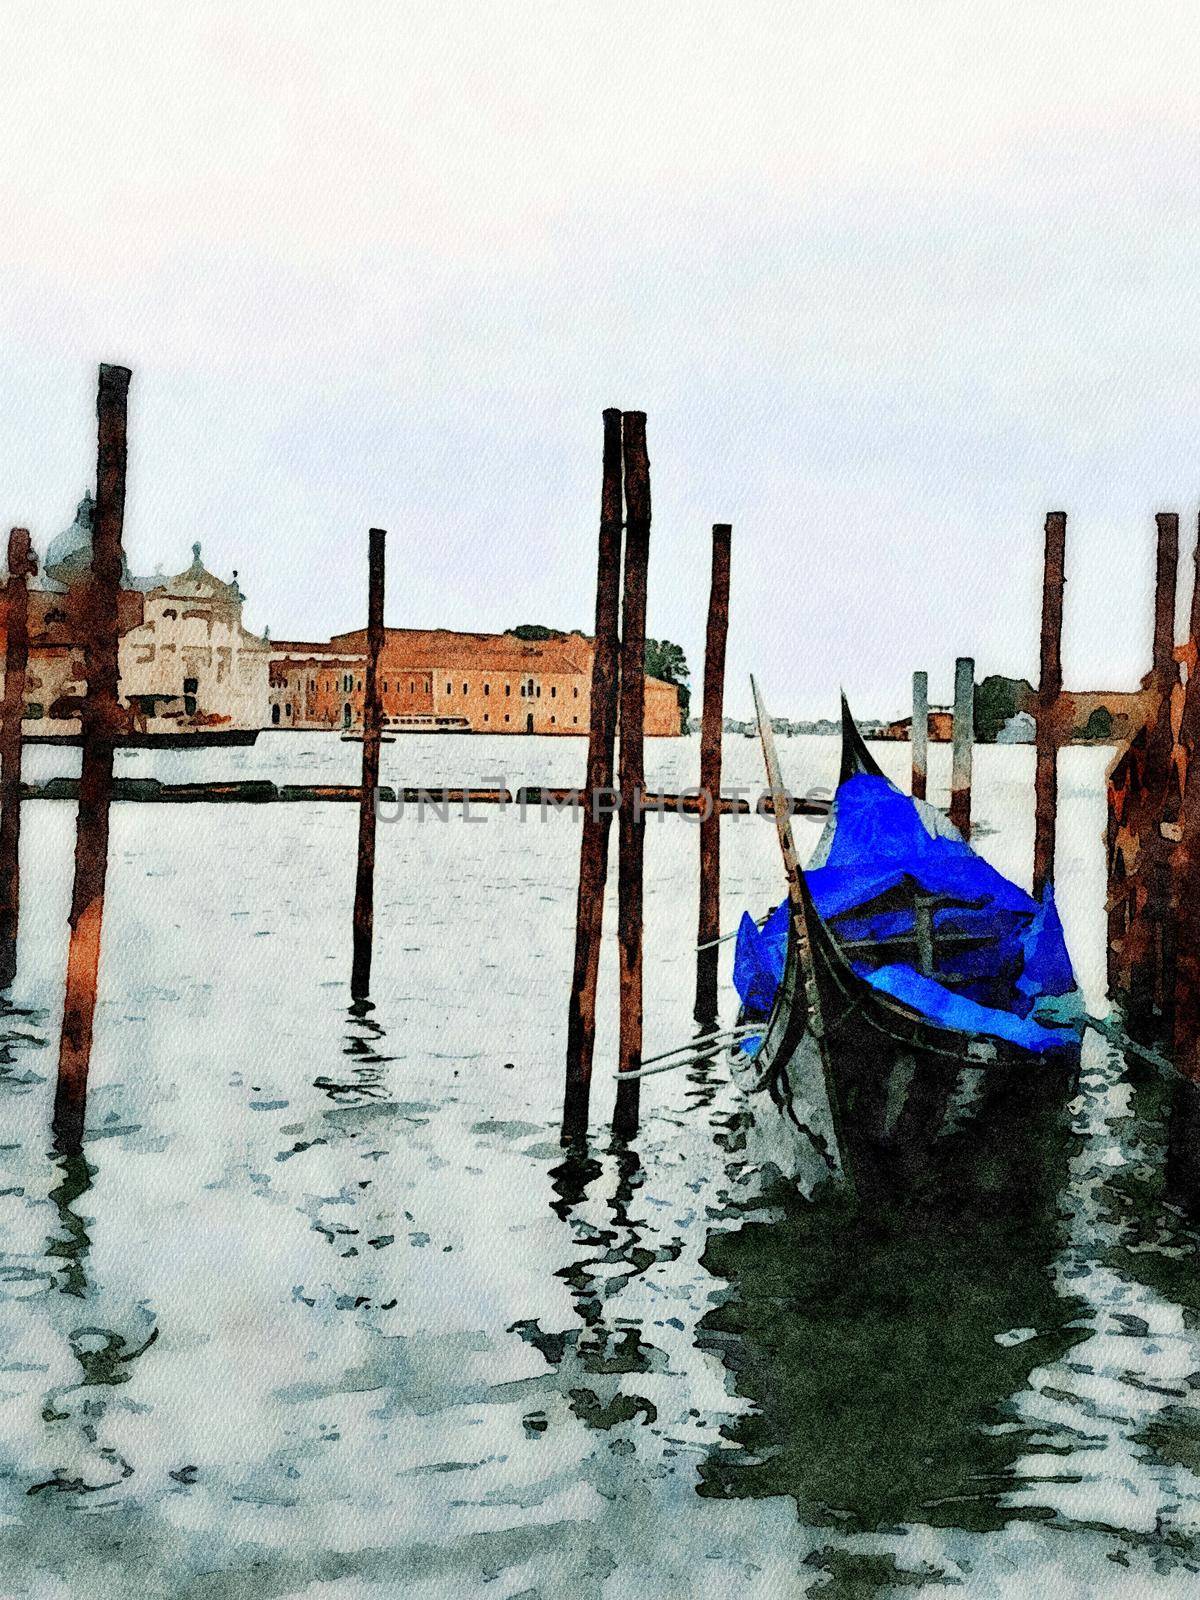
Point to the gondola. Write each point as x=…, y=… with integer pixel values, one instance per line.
x=917, y=992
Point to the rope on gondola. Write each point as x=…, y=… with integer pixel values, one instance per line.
x=724, y=938
x=1130, y=1047
x=695, y=1049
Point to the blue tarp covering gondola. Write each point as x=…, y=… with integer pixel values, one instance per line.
x=758, y=960
x=999, y=944
x=1046, y=966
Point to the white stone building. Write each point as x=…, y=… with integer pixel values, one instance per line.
x=188, y=667
x=191, y=660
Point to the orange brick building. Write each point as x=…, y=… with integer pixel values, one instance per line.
x=941, y=726
x=440, y=680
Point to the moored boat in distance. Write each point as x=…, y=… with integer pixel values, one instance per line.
x=411, y=724
x=424, y=723
x=905, y=989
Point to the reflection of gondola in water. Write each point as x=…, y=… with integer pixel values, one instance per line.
x=880, y=1350
x=923, y=989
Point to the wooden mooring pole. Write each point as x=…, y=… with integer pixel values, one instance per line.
x=1049, y=703
x=964, y=742
x=99, y=716
x=364, y=887
x=1166, y=564
x=631, y=821
x=709, y=924
x=21, y=567
x=920, y=734
x=1183, y=1136
x=1153, y=974
x=597, y=814
x=1189, y=724
x=1143, y=793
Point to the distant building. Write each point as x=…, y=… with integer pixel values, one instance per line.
x=1099, y=716
x=186, y=663
x=941, y=726
x=1095, y=715
x=441, y=680
x=1107, y=714
x=1019, y=729
x=191, y=660
x=311, y=684
x=189, y=667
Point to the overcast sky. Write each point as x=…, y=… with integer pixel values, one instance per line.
x=890, y=280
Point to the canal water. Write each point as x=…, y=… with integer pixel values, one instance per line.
x=324, y=1312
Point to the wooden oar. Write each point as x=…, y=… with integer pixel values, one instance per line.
x=791, y=866
x=799, y=909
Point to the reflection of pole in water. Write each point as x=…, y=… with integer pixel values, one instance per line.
x=570, y=1180
x=73, y=1243
x=104, y=1355
x=702, y=1071
x=366, y=1079
x=602, y=1346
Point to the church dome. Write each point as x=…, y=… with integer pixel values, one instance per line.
x=70, y=554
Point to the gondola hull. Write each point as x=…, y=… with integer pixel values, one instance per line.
x=852, y=1084
x=885, y=1100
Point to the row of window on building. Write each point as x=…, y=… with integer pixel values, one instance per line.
x=36, y=711
x=529, y=688
x=553, y=720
